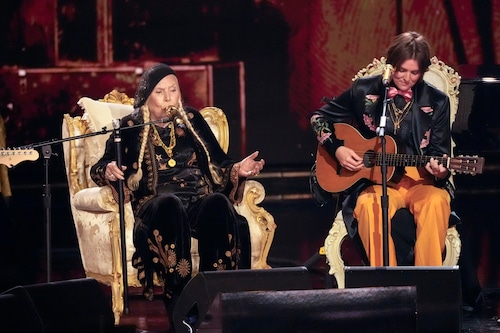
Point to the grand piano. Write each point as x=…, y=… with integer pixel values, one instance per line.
x=476, y=131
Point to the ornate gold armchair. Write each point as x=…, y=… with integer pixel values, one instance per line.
x=447, y=80
x=96, y=214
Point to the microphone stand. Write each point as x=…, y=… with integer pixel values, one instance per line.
x=121, y=200
x=47, y=204
x=47, y=153
x=46, y=148
x=384, y=198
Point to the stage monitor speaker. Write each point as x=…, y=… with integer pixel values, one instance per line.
x=18, y=315
x=384, y=309
x=77, y=306
x=199, y=293
x=439, y=291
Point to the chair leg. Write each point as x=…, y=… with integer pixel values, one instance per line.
x=453, y=247
x=333, y=243
x=117, y=300
x=195, y=256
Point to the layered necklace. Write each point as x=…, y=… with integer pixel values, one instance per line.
x=168, y=149
x=397, y=114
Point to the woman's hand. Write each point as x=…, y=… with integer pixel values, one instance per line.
x=113, y=173
x=348, y=159
x=249, y=166
x=438, y=170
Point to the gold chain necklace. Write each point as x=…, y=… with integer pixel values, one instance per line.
x=397, y=115
x=168, y=149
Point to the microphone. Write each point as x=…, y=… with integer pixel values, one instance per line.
x=179, y=123
x=386, y=76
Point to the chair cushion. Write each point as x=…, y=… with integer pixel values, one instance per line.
x=99, y=115
x=95, y=199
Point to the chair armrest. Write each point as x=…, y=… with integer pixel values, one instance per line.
x=260, y=222
x=95, y=199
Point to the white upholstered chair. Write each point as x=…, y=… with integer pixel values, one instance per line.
x=447, y=80
x=96, y=213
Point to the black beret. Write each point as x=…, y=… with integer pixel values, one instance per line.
x=149, y=80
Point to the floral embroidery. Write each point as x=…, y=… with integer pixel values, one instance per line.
x=167, y=256
x=183, y=268
x=369, y=122
x=323, y=132
x=371, y=99
x=367, y=119
x=427, y=109
x=171, y=258
x=425, y=141
x=219, y=265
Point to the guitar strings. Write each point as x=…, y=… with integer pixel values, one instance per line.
x=396, y=159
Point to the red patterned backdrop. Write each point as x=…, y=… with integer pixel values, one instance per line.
x=332, y=40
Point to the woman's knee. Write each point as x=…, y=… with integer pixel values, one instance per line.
x=162, y=205
x=168, y=199
x=216, y=201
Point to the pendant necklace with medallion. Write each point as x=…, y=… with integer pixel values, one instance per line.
x=168, y=149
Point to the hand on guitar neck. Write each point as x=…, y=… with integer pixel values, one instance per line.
x=365, y=163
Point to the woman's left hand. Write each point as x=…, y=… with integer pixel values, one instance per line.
x=438, y=170
x=249, y=166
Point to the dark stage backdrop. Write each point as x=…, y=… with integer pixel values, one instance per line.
x=294, y=53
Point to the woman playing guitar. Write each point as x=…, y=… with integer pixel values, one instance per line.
x=418, y=118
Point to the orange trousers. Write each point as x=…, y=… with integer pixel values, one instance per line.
x=429, y=205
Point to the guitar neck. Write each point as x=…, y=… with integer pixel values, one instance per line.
x=403, y=160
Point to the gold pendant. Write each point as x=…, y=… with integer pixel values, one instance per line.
x=171, y=162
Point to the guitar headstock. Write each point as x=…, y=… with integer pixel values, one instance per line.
x=11, y=157
x=470, y=165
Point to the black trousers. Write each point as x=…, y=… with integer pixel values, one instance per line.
x=162, y=238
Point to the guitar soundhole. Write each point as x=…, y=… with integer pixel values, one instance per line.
x=369, y=159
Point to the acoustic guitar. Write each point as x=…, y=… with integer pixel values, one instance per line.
x=333, y=178
x=12, y=157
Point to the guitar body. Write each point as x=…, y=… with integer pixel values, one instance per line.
x=333, y=178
